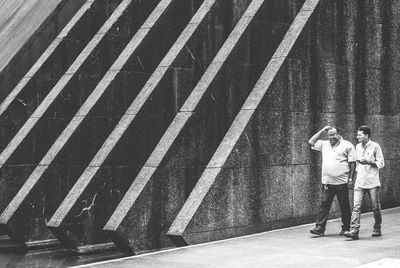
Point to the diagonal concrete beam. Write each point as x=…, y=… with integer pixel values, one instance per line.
x=57, y=220
x=16, y=202
x=215, y=165
x=55, y=91
x=46, y=54
x=188, y=108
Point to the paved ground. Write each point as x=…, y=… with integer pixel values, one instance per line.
x=292, y=247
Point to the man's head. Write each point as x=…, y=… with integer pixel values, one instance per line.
x=334, y=135
x=363, y=134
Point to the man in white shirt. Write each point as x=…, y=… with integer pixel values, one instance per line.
x=369, y=161
x=338, y=164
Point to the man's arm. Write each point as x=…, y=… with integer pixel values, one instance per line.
x=379, y=161
x=317, y=136
x=352, y=166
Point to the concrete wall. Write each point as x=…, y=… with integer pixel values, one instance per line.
x=26, y=29
x=343, y=72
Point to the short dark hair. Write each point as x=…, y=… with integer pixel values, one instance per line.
x=366, y=130
x=338, y=130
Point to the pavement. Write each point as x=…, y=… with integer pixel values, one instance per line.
x=290, y=247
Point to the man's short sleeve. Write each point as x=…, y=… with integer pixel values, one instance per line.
x=317, y=146
x=351, y=153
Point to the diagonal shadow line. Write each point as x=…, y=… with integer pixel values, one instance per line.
x=219, y=158
x=84, y=180
x=181, y=118
x=45, y=55
x=35, y=176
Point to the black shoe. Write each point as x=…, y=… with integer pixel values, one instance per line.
x=342, y=232
x=351, y=235
x=376, y=233
x=317, y=232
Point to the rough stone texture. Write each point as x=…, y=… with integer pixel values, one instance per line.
x=48, y=75
x=342, y=71
x=338, y=73
x=26, y=34
x=148, y=123
x=191, y=157
x=86, y=142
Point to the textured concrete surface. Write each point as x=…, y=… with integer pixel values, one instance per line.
x=18, y=21
x=292, y=247
x=160, y=17
x=26, y=31
x=241, y=190
x=145, y=177
x=46, y=54
x=25, y=191
x=342, y=70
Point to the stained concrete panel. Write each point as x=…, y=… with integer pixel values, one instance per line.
x=156, y=207
x=89, y=215
x=157, y=109
x=227, y=204
x=306, y=189
x=19, y=21
x=36, y=144
x=67, y=13
x=290, y=88
x=10, y=182
x=393, y=12
x=281, y=11
x=375, y=50
x=374, y=12
x=214, y=100
x=203, y=45
x=119, y=94
x=391, y=99
x=335, y=26
x=276, y=192
x=245, y=201
x=385, y=131
x=55, y=66
x=86, y=141
x=167, y=29
x=276, y=137
x=389, y=183
x=30, y=217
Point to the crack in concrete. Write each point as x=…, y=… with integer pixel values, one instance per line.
x=88, y=208
x=21, y=101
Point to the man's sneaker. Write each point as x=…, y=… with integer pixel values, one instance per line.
x=351, y=235
x=317, y=232
x=376, y=233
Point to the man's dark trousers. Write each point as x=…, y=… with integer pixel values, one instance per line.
x=328, y=193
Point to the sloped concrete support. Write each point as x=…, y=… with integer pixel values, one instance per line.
x=179, y=55
x=174, y=14
x=34, y=87
x=44, y=56
x=173, y=159
x=55, y=91
x=201, y=219
x=28, y=28
x=25, y=193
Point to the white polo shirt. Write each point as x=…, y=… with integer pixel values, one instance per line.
x=335, y=160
